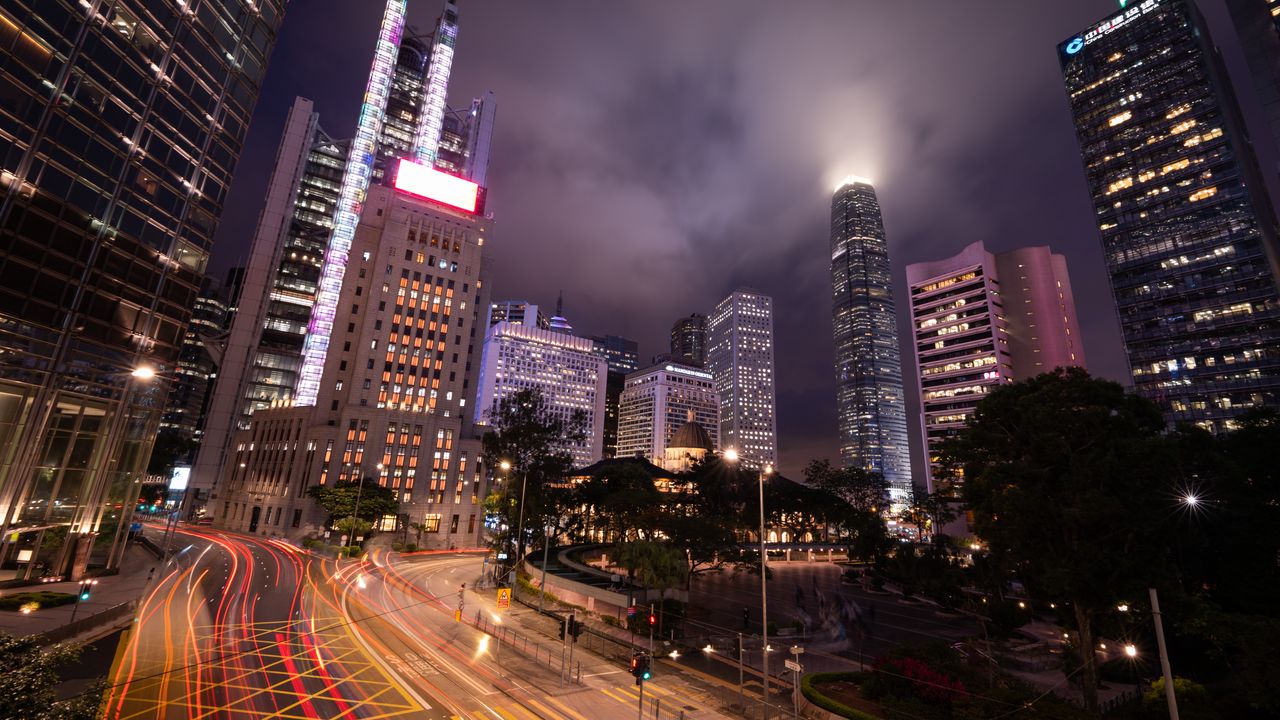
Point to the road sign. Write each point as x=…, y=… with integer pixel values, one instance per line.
x=504, y=598
x=793, y=665
x=797, y=650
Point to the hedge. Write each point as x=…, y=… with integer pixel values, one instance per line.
x=815, y=696
x=45, y=598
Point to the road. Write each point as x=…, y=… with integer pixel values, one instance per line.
x=243, y=627
x=415, y=630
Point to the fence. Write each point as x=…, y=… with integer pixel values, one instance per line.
x=95, y=620
x=523, y=644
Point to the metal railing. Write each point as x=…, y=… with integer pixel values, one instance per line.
x=555, y=659
x=70, y=630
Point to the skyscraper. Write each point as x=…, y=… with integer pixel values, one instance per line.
x=689, y=340
x=278, y=288
x=182, y=425
x=119, y=132
x=266, y=340
x=393, y=403
x=870, y=406
x=981, y=320
x=518, y=312
x=657, y=402
x=1258, y=24
x=565, y=368
x=622, y=356
x=1188, y=232
x=740, y=357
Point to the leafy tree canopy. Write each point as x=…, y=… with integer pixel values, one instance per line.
x=339, y=500
x=1072, y=480
x=28, y=675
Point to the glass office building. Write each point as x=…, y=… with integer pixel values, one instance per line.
x=120, y=127
x=870, y=407
x=1188, y=232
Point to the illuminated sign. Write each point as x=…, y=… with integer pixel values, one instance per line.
x=179, y=477
x=1111, y=24
x=427, y=182
x=687, y=371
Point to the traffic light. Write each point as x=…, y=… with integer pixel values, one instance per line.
x=86, y=588
x=653, y=619
x=564, y=626
x=641, y=667
x=575, y=627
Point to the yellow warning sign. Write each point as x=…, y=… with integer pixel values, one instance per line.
x=504, y=598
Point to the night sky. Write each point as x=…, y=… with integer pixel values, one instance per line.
x=649, y=157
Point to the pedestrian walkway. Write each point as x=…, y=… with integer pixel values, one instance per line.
x=110, y=591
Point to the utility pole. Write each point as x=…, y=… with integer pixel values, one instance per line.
x=1164, y=657
x=742, y=693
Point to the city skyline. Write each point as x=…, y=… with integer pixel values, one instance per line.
x=774, y=239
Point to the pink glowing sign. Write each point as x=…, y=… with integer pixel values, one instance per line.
x=427, y=182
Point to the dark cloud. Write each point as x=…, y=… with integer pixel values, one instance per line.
x=651, y=156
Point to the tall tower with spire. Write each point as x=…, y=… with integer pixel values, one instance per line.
x=870, y=406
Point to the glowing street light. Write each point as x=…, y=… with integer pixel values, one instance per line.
x=143, y=372
x=731, y=455
x=1190, y=499
x=1131, y=650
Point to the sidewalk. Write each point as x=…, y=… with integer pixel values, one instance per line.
x=110, y=591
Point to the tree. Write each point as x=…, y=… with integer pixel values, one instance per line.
x=532, y=437
x=653, y=564
x=865, y=492
x=28, y=675
x=1070, y=479
x=853, y=500
x=339, y=500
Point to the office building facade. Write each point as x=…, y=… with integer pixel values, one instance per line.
x=656, y=402
x=689, y=340
x=286, y=267
x=518, y=312
x=1188, y=232
x=980, y=320
x=182, y=425
x=393, y=405
x=120, y=128
x=740, y=358
x=564, y=368
x=870, y=405
x=1258, y=24
x=622, y=356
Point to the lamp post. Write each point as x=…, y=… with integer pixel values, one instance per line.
x=764, y=597
x=524, y=479
x=731, y=455
x=355, y=514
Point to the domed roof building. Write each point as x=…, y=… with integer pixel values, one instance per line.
x=689, y=445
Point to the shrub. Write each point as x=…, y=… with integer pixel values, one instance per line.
x=906, y=677
x=814, y=694
x=45, y=598
x=397, y=546
x=411, y=547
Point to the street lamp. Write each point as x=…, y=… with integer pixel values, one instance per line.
x=519, y=539
x=731, y=455
x=764, y=598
